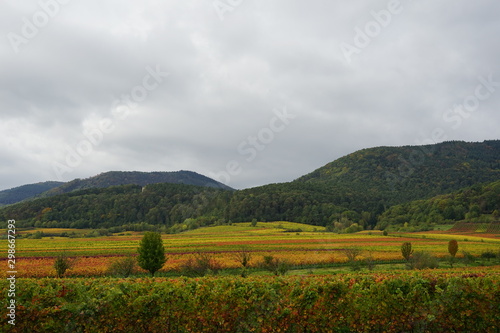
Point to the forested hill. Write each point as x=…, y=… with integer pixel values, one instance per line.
x=24, y=192
x=478, y=203
x=401, y=174
x=348, y=194
x=115, y=178
x=107, y=179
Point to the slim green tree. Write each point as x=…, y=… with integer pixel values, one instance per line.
x=406, y=250
x=151, y=252
x=62, y=264
x=452, y=249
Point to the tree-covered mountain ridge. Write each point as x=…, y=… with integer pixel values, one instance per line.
x=104, y=180
x=18, y=194
x=348, y=194
x=402, y=174
x=478, y=203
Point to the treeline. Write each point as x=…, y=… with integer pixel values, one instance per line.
x=347, y=195
x=477, y=203
x=158, y=204
x=177, y=207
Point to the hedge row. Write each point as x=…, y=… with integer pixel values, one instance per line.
x=351, y=303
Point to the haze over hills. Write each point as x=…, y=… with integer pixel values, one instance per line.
x=351, y=192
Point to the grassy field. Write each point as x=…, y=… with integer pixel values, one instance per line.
x=306, y=248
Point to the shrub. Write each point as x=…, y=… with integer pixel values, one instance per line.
x=468, y=258
x=488, y=255
x=201, y=264
x=370, y=263
x=123, y=267
x=243, y=257
x=62, y=264
x=352, y=253
x=275, y=265
x=422, y=260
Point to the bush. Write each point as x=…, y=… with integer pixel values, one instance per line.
x=243, y=257
x=201, y=264
x=62, y=264
x=123, y=267
x=275, y=265
x=488, y=255
x=36, y=235
x=422, y=260
x=468, y=258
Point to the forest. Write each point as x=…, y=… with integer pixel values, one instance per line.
x=452, y=181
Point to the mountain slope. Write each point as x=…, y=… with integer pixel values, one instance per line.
x=115, y=178
x=24, y=192
x=480, y=202
x=400, y=174
x=349, y=193
x=161, y=204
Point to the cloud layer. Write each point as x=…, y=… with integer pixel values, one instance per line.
x=249, y=92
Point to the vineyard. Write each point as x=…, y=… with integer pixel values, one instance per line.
x=321, y=290
x=310, y=247
x=470, y=227
x=455, y=301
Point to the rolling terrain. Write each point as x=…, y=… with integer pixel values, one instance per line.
x=362, y=190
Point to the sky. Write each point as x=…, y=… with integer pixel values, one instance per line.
x=248, y=92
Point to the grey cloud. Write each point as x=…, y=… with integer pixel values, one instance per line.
x=226, y=77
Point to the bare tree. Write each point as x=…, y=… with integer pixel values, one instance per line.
x=243, y=256
x=352, y=253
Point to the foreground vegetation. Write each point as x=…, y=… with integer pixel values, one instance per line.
x=409, y=302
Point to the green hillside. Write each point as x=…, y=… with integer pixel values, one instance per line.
x=24, y=192
x=479, y=203
x=349, y=194
x=156, y=204
x=401, y=174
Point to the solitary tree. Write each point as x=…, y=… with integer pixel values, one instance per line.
x=123, y=267
x=243, y=256
x=406, y=250
x=62, y=264
x=151, y=252
x=452, y=249
x=352, y=253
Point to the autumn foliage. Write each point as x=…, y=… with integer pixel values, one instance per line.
x=349, y=303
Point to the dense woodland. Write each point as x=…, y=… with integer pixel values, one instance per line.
x=371, y=188
x=24, y=192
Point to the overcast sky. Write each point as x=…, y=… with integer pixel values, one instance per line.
x=248, y=92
